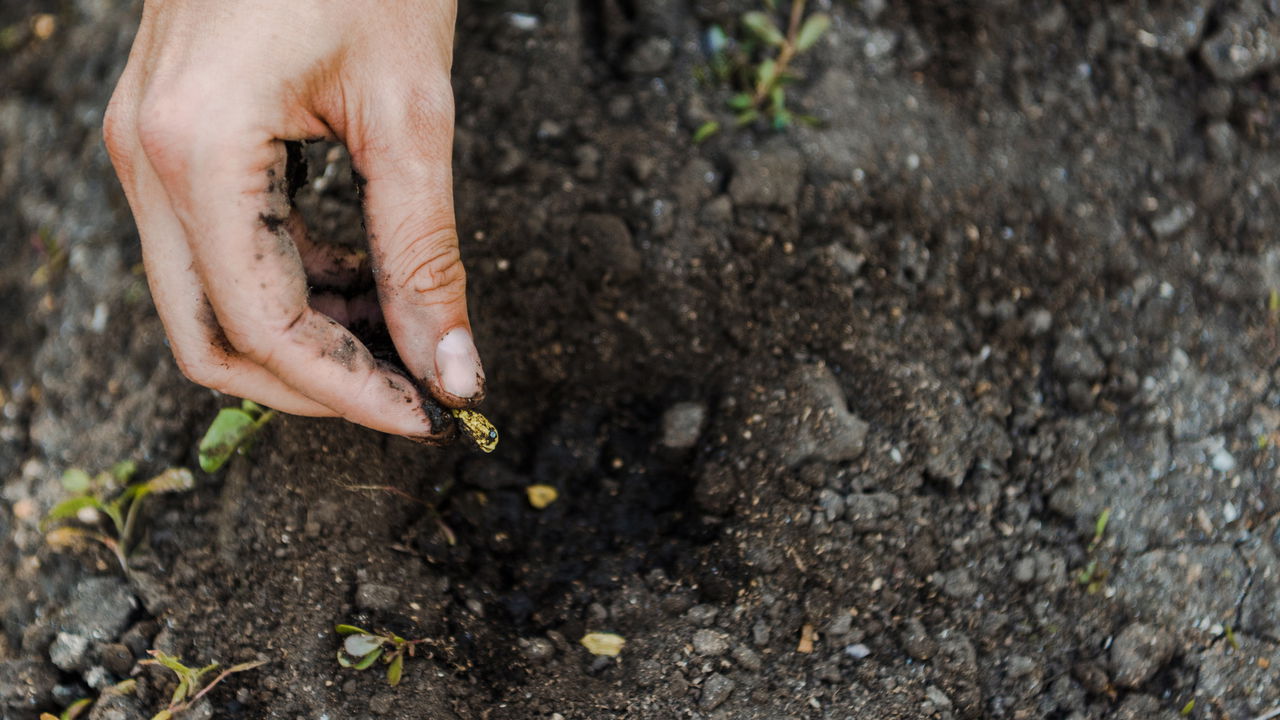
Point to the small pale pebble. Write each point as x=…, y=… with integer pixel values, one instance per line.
x=1223, y=461
x=858, y=651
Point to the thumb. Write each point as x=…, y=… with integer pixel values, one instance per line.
x=408, y=204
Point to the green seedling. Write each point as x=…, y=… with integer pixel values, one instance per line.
x=361, y=649
x=190, y=689
x=232, y=430
x=1186, y=709
x=77, y=708
x=758, y=64
x=1091, y=577
x=111, y=494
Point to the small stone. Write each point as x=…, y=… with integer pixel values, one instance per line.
x=939, y=699
x=537, y=649
x=641, y=167
x=117, y=658
x=841, y=624
x=821, y=425
x=26, y=684
x=870, y=512
x=747, y=658
x=703, y=615
x=111, y=706
x=717, y=212
x=99, y=608
x=68, y=651
x=715, y=690
x=958, y=583
x=831, y=503
x=857, y=651
x=1173, y=221
x=374, y=596
x=1024, y=571
x=1020, y=666
x=1244, y=43
x=1138, y=652
x=1223, y=461
x=382, y=703
x=682, y=425
x=650, y=57
x=710, y=642
x=1222, y=142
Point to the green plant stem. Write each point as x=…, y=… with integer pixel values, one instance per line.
x=785, y=55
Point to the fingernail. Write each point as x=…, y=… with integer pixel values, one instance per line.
x=458, y=364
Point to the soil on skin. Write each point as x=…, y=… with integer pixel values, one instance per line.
x=832, y=413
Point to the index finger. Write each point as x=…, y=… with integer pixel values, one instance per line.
x=235, y=221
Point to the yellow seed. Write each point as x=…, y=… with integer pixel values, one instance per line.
x=478, y=428
x=598, y=643
x=541, y=496
x=43, y=25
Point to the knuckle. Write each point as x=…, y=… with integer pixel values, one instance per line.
x=201, y=369
x=430, y=267
x=117, y=133
x=165, y=125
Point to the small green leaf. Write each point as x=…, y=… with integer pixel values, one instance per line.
x=123, y=471
x=763, y=27
x=162, y=715
x=811, y=31
x=76, y=480
x=349, y=630
x=1100, y=526
x=747, y=117
x=781, y=119
x=705, y=130
x=343, y=659
x=251, y=407
x=767, y=73
x=741, y=101
x=180, y=693
x=77, y=707
x=393, y=672
x=71, y=507
x=778, y=98
x=361, y=645
x=1186, y=709
x=231, y=428
x=368, y=660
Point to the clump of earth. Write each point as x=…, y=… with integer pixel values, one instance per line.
x=833, y=415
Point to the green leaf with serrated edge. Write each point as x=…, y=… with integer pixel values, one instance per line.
x=394, y=670
x=230, y=428
x=70, y=508
x=344, y=660
x=763, y=27
x=76, y=480
x=811, y=31
x=123, y=471
x=350, y=629
x=368, y=660
x=741, y=101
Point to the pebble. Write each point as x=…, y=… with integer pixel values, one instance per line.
x=857, y=651
x=958, y=583
x=373, y=596
x=537, y=649
x=1174, y=221
x=99, y=608
x=116, y=707
x=1076, y=359
x=916, y=641
x=715, y=690
x=1020, y=666
x=747, y=658
x=1245, y=42
x=868, y=512
x=682, y=425
x=117, y=658
x=1223, y=461
x=703, y=615
x=1222, y=141
x=1138, y=652
x=832, y=504
x=710, y=642
x=68, y=651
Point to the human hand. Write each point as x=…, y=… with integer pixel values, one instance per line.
x=195, y=130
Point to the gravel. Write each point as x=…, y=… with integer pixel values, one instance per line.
x=373, y=596
x=710, y=642
x=682, y=425
x=1138, y=652
x=99, y=609
x=715, y=690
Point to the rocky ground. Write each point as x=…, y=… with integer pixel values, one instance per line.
x=832, y=413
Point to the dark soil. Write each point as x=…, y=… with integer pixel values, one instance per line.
x=832, y=413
